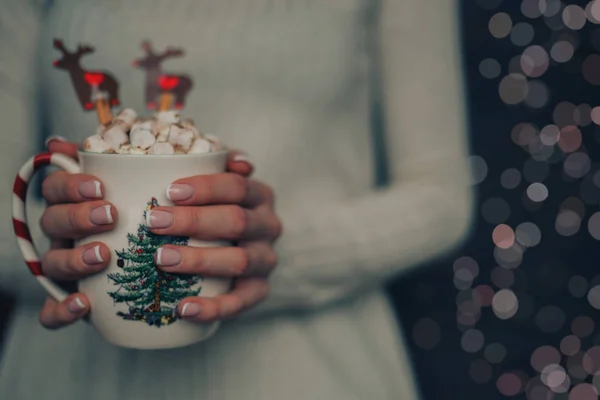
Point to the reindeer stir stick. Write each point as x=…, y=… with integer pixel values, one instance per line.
x=95, y=89
x=169, y=90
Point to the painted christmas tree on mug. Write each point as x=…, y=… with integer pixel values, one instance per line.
x=151, y=294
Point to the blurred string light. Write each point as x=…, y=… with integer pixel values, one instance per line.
x=545, y=35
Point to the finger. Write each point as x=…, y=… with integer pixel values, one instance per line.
x=62, y=187
x=74, y=221
x=56, y=315
x=247, y=293
x=58, y=144
x=77, y=263
x=239, y=163
x=248, y=259
x=225, y=222
x=61, y=244
x=226, y=188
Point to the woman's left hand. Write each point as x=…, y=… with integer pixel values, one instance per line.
x=227, y=207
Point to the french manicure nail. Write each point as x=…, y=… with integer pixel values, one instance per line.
x=92, y=256
x=190, y=309
x=242, y=158
x=179, y=192
x=55, y=137
x=158, y=219
x=75, y=306
x=167, y=257
x=101, y=216
x=90, y=189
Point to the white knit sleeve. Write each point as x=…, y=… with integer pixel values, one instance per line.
x=343, y=249
x=20, y=22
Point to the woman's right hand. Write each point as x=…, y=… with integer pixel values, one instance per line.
x=76, y=209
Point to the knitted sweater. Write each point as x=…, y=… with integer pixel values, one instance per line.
x=291, y=83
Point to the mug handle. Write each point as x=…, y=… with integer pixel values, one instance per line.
x=19, y=214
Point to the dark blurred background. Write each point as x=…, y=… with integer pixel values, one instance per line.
x=512, y=313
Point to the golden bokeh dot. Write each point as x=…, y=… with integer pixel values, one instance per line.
x=574, y=17
x=510, y=178
x=490, y=68
x=570, y=139
x=582, y=326
x=594, y=227
x=583, y=391
x=509, y=384
x=500, y=25
x=537, y=192
x=503, y=236
x=591, y=69
x=531, y=8
x=522, y=34
x=570, y=345
x=591, y=361
x=555, y=377
x=562, y=51
x=544, y=356
x=505, y=304
x=534, y=61
x=513, y=89
x=592, y=11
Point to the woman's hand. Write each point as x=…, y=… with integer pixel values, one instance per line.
x=227, y=207
x=76, y=209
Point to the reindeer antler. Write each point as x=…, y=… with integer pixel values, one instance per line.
x=81, y=50
x=58, y=44
x=172, y=52
x=147, y=47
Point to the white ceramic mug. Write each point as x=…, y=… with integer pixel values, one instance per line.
x=133, y=303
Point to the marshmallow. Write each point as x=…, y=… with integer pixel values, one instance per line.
x=189, y=123
x=142, y=138
x=124, y=149
x=116, y=134
x=137, y=151
x=142, y=124
x=162, y=148
x=163, y=134
x=181, y=137
x=95, y=144
x=166, y=118
x=127, y=116
x=214, y=141
x=200, y=146
x=101, y=129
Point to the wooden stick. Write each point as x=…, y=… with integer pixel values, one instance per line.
x=103, y=111
x=165, y=101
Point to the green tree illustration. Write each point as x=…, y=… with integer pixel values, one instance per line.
x=151, y=294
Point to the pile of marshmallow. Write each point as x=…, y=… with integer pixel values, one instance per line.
x=165, y=133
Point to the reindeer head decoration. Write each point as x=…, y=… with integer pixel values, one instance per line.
x=70, y=60
x=94, y=89
x=161, y=87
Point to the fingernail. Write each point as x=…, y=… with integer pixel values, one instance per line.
x=158, y=219
x=167, y=257
x=242, y=158
x=75, y=306
x=92, y=256
x=190, y=309
x=90, y=189
x=55, y=137
x=101, y=216
x=179, y=192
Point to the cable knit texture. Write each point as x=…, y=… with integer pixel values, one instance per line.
x=288, y=81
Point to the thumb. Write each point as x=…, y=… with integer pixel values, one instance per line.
x=58, y=144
